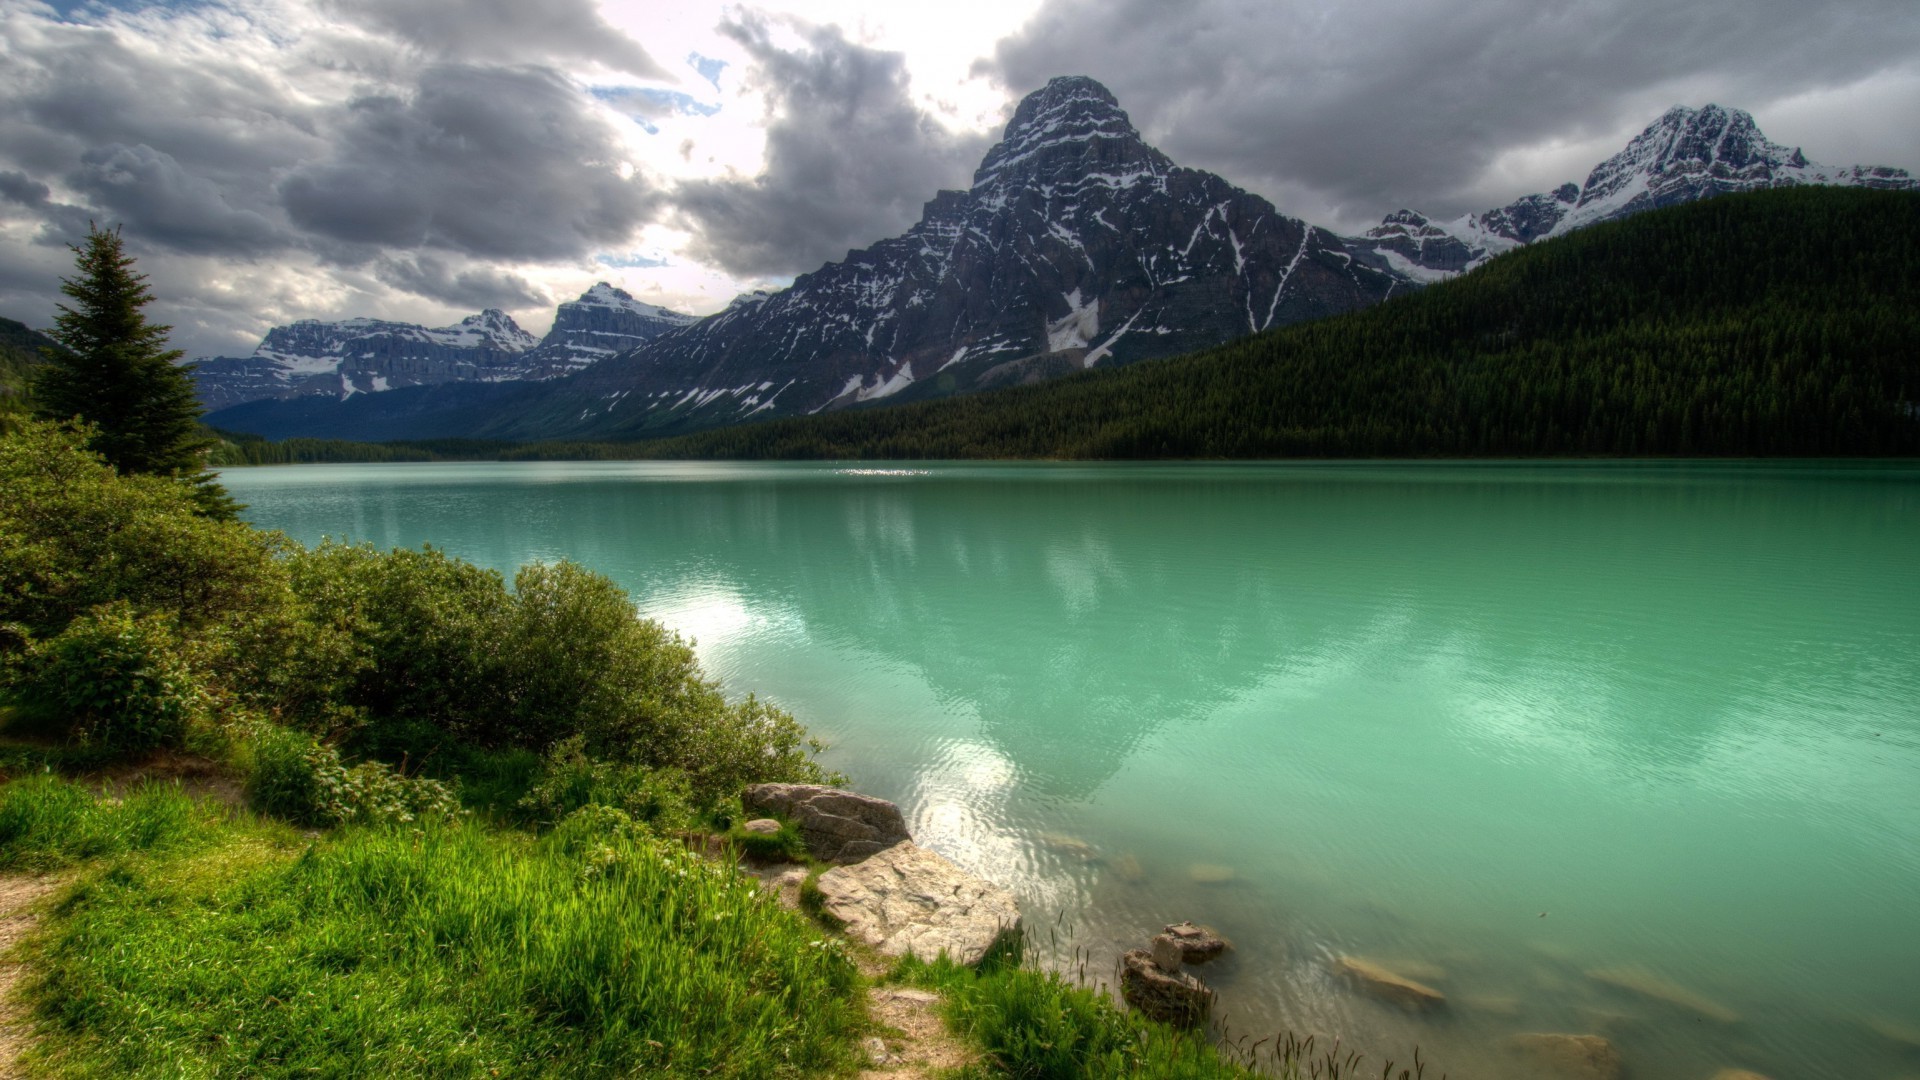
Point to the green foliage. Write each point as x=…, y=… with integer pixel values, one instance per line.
x=1774, y=323
x=443, y=951
x=46, y=823
x=1035, y=1025
x=571, y=780
x=112, y=369
x=20, y=359
x=291, y=775
x=116, y=680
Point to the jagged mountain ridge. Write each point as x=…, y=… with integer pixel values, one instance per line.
x=1077, y=244
x=1685, y=155
x=339, y=359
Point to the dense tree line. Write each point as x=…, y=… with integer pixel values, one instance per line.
x=1776, y=323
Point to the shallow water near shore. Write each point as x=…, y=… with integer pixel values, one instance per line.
x=1630, y=749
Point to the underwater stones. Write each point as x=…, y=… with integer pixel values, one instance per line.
x=1201, y=873
x=1894, y=1032
x=761, y=827
x=1571, y=1057
x=1128, y=869
x=1654, y=988
x=1070, y=846
x=838, y=826
x=1740, y=1074
x=1172, y=997
x=1388, y=986
x=1198, y=944
x=907, y=899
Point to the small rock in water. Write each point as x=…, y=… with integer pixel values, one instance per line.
x=1497, y=1004
x=1071, y=846
x=1170, y=997
x=1210, y=873
x=1894, y=1032
x=1166, y=952
x=1575, y=1057
x=765, y=826
x=1388, y=986
x=1655, y=988
x=1740, y=1074
x=1199, y=943
x=1128, y=869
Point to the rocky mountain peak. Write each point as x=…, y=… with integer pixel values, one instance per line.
x=1070, y=129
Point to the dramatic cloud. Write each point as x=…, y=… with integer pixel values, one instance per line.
x=506, y=31
x=473, y=287
x=1345, y=110
x=497, y=162
x=850, y=158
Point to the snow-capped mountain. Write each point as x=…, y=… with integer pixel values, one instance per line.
x=603, y=322
x=1685, y=155
x=352, y=356
x=1077, y=245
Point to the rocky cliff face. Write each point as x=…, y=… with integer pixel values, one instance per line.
x=1077, y=245
x=1687, y=154
x=355, y=356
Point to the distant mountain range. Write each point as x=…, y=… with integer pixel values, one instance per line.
x=336, y=360
x=1077, y=245
x=1687, y=154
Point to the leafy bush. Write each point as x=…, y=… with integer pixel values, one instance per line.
x=570, y=780
x=115, y=680
x=47, y=823
x=295, y=777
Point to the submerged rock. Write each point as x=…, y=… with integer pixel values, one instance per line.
x=1128, y=869
x=1654, y=988
x=1199, y=944
x=1574, y=1057
x=1740, y=1074
x=1210, y=873
x=1071, y=846
x=907, y=899
x=838, y=826
x=1388, y=986
x=1172, y=997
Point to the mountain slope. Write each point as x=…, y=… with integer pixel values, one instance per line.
x=20, y=347
x=1077, y=245
x=1686, y=155
x=1773, y=323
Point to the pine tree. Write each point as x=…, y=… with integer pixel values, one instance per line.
x=112, y=369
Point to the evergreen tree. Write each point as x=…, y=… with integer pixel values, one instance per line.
x=112, y=369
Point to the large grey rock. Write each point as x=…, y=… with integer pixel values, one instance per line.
x=1173, y=997
x=838, y=826
x=907, y=899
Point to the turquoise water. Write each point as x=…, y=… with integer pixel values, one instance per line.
x=1404, y=710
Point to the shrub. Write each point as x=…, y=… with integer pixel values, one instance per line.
x=295, y=777
x=570, y=780
x=115, y=680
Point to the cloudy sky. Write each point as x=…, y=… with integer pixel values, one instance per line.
x=422, y=159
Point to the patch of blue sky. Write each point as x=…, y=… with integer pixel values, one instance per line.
x=707, y=66
x=645, y=104
x=630, y=260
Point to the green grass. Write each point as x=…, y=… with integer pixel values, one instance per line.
x=448, y=950
x=1036, y=1025
x=47, y=823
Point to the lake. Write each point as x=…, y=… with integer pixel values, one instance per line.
x=1630, y=749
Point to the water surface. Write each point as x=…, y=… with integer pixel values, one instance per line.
x=1502, y=726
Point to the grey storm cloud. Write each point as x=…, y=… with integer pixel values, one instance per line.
x=506, y=31
x=1361, y=107
x=472, y=287
x=153, y=196
x=488, y=161
x=850, y=158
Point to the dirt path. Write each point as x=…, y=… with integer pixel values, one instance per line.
x=913, y=1043
x=20, y=895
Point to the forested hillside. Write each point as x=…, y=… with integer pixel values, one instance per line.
x=1782, y=322
x=19, y=354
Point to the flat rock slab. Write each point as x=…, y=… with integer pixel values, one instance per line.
x=1576, y=1057
x=907, y=899
x=1387, y=985
x=838, y=826
x=1198, y=944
